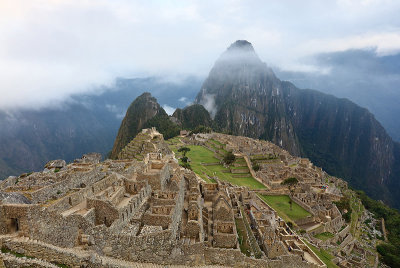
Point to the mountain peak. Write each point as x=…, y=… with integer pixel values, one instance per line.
x=240, y=52
x=241, y=45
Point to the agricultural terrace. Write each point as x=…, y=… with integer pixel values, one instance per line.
x=323, y=254
x=324, y=236
x=199, y=155
x=281, y=205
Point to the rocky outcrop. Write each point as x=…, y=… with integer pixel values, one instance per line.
x=139, y=112
x=192, y=116
x=244, y=97
x=13, y=198
x=145, y=112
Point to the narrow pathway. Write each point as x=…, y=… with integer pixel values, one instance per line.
x=252, y=172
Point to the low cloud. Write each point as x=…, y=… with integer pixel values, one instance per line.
x=119, y=113
x=168, y=109
x=208, y=101
x=50, y=50
x=185, y=101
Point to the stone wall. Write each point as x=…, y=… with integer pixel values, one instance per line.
x=153, y=247
x=308, y=219
x=157, y=179
x=105, y=212
x=223, y=240
x=51, y=227
x=71, y=181
x=15, y=216
x=177, y=213
x=48, y=252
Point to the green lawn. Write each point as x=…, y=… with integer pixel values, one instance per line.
x=199, y=154
x=281, y=204
x=324, y=236
x=217, y=142
x=324, y=255
x=240, y=167
x=240, y=160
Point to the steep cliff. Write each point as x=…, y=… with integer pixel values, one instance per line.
x=139, y=112
x=246, y=98
x=192, y=116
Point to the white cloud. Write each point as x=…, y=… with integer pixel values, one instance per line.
x=385, y=43
x=183, y=99
x=168, y=109
x=50, y=49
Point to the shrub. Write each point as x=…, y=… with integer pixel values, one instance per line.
x=256, y=167
x=186, y=165
x=184, y=150
x=229, y=158
x=200, y=129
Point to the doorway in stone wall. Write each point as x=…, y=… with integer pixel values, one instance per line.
x=14, y=225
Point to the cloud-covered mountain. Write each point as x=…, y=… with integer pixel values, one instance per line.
x=246, y=98
x=363, y=76
x=87, y=123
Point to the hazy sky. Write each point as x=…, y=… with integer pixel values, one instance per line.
x=50, y=49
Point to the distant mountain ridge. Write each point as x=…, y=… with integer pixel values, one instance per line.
x=29, y=138
x=246, y=98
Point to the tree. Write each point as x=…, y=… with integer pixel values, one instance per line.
x=200, y=129
x=184, y=150
x=291, y=183
x=256, y=166
x=229, y=158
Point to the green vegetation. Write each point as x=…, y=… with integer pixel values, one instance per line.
x=201, y=129
x=344, y=207
x=290, y=183
x=242, y=237
x=256, y=167
x=220, y=145
x=281, y=204
x=198, y=155
x=229, y=158
x=389, y=252
x=323, y=254
x=193, y=116
x=260, y=157
x=251, y=238
x=60, y=265
x=165, y=126
x=16, y=254
x=184, y=150
x=324, y=236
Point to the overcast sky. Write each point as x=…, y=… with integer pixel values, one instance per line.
x=50, y=49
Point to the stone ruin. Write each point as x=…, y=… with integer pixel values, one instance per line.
x=142, y=210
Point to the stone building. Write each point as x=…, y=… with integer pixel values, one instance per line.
x=142, y=208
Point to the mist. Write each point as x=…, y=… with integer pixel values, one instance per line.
x=52, y=50
x=363, y=76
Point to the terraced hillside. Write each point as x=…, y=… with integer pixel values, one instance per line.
x=206, y=161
